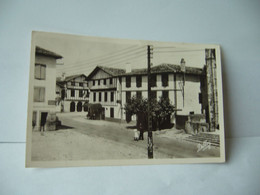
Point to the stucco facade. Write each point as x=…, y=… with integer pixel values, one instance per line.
x=183, y=89
x=44, y=90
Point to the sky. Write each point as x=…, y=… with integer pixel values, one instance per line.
x=81, y=54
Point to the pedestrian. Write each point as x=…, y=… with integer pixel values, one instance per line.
x=42, y=127
x=141, y=130
x=136, y=135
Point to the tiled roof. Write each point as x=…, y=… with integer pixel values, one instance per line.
x=112, y=71
x=166, y=68
x=45, y=52
x=68, y=78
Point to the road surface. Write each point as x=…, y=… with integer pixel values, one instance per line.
x=164, y=147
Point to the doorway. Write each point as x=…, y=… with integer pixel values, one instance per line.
x=43, y=118
x=112, y=112
x=79, y=106
x=72, y=107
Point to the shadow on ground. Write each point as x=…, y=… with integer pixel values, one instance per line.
x=63, y=127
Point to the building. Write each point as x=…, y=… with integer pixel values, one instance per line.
x=44, y=89
x=182, y=85
x=212, y=90
x=105, y=88
x=193, y=91
x=72, y=93
x=112, y=88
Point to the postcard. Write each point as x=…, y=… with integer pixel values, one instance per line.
x=97, y=101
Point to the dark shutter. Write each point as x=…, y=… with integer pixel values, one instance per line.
x=138, y=81
x=128, y=81
x=164, y=80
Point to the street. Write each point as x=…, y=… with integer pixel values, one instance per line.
x=83, y=139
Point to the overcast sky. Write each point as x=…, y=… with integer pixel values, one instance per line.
x=81, y=54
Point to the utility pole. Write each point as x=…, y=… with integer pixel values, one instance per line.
x=150, y=133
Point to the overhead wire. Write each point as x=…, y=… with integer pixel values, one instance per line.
x=109, y=61
x=111, y=64
x=103, y=58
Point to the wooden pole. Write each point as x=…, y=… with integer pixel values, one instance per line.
x=150, y=133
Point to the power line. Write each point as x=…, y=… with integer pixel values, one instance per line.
x=163, y=47
x=107, y=64
x=109, y=61
x=178, y=51
x=103, y=57
x=100, y=56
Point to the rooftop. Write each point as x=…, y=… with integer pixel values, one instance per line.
x=166, y=68
x=44, y=52
x=112, y=71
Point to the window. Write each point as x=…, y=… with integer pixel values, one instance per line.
x=34, y=118
x=105, y=81
x=63, y=94
x=153, y=95
x=139, y=95
x=153, y=80
x=40, y=72
x=111, y=81
x=93, y=83
x=72, y=93
x=128, y=96
x=105, y=96
x=80, y=93
x=139, y=81
x=98, y=82
x=81, y=84
x=100, y=96
x=112, y=96
x=87, y=93
x=165, y=94
x=164, y=80
x=94, y=96
x=200, y=98
x=72, y=83
x=128, y=81
x=39, y=94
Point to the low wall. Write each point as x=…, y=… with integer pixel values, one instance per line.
x=196, y=127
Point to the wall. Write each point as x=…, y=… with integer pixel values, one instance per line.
x=50, y=88
x=191, y=91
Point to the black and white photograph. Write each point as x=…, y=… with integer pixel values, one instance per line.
x=97, y=101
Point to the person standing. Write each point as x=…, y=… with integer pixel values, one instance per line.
x=42, y=126
x=141, y=130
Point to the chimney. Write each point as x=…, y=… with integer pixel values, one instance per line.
x=63, y=76
x=128, y=67
x=183, y=65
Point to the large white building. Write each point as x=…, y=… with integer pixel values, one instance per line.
x=105, y=88
x=44, y=92
x=182, y=87
x=112, y=88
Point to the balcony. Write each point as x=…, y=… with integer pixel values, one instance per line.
x=101, y=86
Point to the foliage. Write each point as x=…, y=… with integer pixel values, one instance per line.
x=161, y=108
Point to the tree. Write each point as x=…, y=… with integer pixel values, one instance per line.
x=161, y=111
